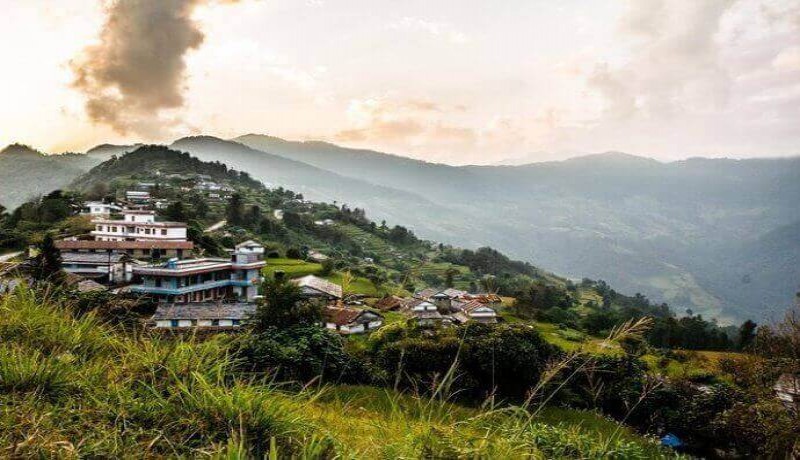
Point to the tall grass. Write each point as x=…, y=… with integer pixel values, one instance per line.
x=74, y=388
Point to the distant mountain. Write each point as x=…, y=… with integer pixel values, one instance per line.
x=397, y=206
x=104, y=152
x=537, y=157
x=714, y=235
x=664, y=229
x=26, y=173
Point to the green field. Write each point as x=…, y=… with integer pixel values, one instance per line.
x=295, y=268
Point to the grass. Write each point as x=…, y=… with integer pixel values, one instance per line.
x=566, y=338
x=294, y=268
x=74, y=388
x=691, y=365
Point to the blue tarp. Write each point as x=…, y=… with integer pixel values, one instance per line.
x=670, y=440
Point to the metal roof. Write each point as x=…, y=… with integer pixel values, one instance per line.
x=204, y=311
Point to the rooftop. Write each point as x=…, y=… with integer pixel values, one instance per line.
x=91, y=258
x=318, y=284
x=204, y=311
x=149, y=244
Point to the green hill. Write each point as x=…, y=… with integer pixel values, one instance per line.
x=26, y=173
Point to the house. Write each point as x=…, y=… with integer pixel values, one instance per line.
x=109, y=268
x=99, y=209
x=346, y=320
x=787, y=389
x=474, y=310
x=138, y=225
x=203, y=280
x=137, y=196
x=315, y=287
x=278, y=214
x=141, y=250
x=389, y=303
x=462, y=305
x=426, y=314
x=250, y=247
x=324, y=223
x=206, y=315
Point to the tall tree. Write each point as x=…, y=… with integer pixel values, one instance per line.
x=235, y=211
x=176, y=212
x=747, y=333
x=47, y=264
x=283, y=306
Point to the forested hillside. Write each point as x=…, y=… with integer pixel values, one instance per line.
x=668, y=230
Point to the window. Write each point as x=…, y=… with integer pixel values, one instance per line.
x=236, y=322
x=215, y=322
x=163, y=231
x=173, y=323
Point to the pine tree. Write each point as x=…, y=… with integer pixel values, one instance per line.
x=48, y=262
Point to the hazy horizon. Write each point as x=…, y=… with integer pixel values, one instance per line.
x=532, y=158
x=451, y=82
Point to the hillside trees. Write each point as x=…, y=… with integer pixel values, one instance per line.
x=235, y=210
x=47, y=264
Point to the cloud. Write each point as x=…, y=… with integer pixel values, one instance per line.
x=675, y=64
x=788, y=59
x=436, y=29
x=136, y=71
x=391, y=121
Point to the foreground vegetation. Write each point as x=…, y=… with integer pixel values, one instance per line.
x=74, y=387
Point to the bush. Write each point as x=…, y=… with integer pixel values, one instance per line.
x=294, y=253
x=507, y=358
x=301, y=354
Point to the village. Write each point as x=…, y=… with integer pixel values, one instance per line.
x=132, y=251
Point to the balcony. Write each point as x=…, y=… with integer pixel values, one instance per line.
x=174, y=290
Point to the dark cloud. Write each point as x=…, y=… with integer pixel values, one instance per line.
x=137, y=68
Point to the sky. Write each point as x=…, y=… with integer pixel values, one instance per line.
x=455, y=81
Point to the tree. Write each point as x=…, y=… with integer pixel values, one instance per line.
x=283, y=306
x=235, y=211
x=200, y=207
x=327, y=267
x=47, y=264
x=747, y=333
x=176, y=212
x=449, y=275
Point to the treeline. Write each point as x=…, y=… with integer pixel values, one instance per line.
x=487, y=261
x=32, y=219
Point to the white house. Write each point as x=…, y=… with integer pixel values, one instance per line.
x=137, y=196
x=426, y=314
x=98, y=208
x=278, y=214
x=138, y=225
x=205, y=315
